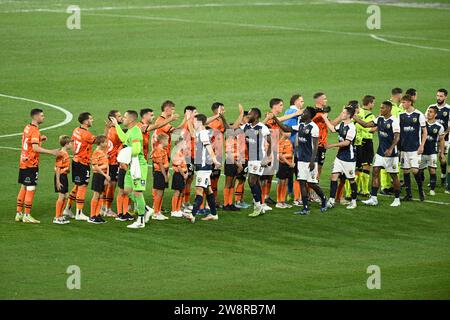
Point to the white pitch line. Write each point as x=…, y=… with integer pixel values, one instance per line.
x=10, y=148
x=67, y=113
x=407, y=44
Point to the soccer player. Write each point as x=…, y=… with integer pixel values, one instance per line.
x=179, y=178
x=443, y=117
x=81, y=170
x=435, y=138
x=364, y=143
x=168, y=111
x=122, y=198
x=100, y=178
x=395, y=100
x=413, y=93
x=62, y=168
x=413, y=135
x=320, y=100
x=136, y=176
x=160, y=175
x=306, y=147
x=345, y=162
x=188, y=134
x=114, y=144
x=387, y=154
x=205, y=161
x=285, y=168
x=29, y=165
x=259, y=145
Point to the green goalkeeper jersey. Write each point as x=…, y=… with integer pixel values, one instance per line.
x=396, y=108
x=361, y=132
x=133, y=138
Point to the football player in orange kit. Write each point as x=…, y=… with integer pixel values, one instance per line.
x=29, y=166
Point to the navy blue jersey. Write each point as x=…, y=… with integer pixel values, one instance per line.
x=386, y=129
x=203, y=160
x=435, y=130
x=304, y=133
x=346, y=132
x=443, y=117
x=255, y=137
x=411, y=125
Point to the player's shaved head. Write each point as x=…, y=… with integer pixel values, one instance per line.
x=132, y=115
x=36, y=111
x=144, y=111
x=396, y=91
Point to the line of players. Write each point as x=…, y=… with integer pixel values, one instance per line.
x=256, y=149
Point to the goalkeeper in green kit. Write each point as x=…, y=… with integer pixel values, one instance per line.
x=136, y=176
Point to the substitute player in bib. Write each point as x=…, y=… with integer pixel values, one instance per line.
x=387, y=153
x=29, y=166
x=259, y=147
x=434, y=145
x=205, y=161
x=413, y=135
x=443, y=117
x=136, y=176
x=345, y=162
x=306, y=146
x=81, y=165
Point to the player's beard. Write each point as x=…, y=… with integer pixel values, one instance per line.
x=440, y=102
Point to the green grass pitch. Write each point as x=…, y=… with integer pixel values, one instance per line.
x=236, y=52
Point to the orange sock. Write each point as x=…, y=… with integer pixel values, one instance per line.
x=157, y=202
x=29, y=196
x=268, y=186
x=239, y=191
x=187, y=193
x=230, y=195
x=109, y=196
x=339, y=190
x=175, y=203
x=81, y=195
x=202, y=206
x=297, y=193
x=72, y=196
x=226, y=196
x=125, y=204
x=99, y=206
x=119, y=204
x=284, y=192
x=180, y=202
x=263, y=193
x=279, y=192
x=59, y=208
x=21, y=199
x=94, y=203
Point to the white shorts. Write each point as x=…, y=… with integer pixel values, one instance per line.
x=254, y=167
x=304, y=173
x=390, y=164
x=344, y=167
x=447, y=146
x=409, y=160
x=203, y=178
x=428, y=161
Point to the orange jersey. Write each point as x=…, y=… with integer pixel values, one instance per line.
x=145, y=137
x=28, y=157
x=167, y=129
x=271, y=124
x=114, y=145
x=62, y=163
x=286, y=149
x=160, y=156
x=323, y=129
x=217, y=136
x=190, y=149
x=179, y=162
x=82, y=145
x=100, y=159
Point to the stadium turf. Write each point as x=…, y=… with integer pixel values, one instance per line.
x=234, y=52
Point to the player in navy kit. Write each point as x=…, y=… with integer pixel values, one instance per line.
x=435, y=143
x=443, y=117
x=345, y=162
x=306, y=146
x=413, y=135
x=257, y=136
x=387, y=154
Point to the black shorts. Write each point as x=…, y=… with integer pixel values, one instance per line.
x=80, y=173
x=284, y=171
x=266, y=177
x=243, y=174
x=98, y=183
x=321, y=151
x=178, y=182
x=64, y=181
x=158, y=181
x=231, y=170
x=365, y=153
x=121, y=178
x=29, y=176
x=113, y=171
x=215, y=173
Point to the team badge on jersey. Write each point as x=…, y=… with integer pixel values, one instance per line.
x=445, y=113
x=388, y=126
x=414, y=120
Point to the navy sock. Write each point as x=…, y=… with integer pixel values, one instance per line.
x=432, y=181
x=397, y=193
x=407, y=180
x=290, y=184
x=319, y=192
x=197, y=203
x=374, y=191
x=256, y=192
x=305, y=202
x=212, y=203
x=333, y=189
x=354, y=189
x=418, y=179
x=443, y=168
